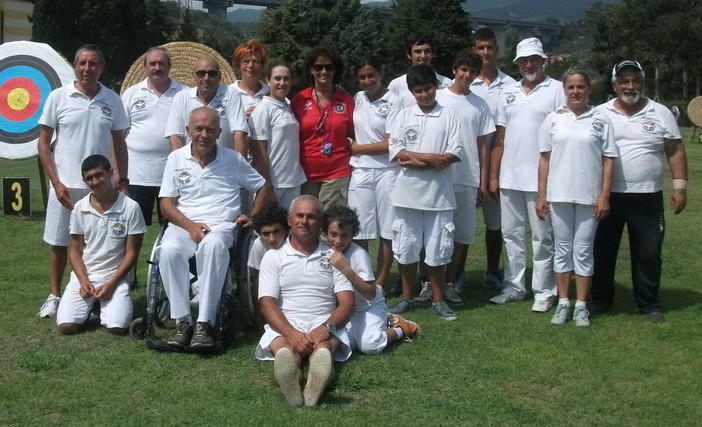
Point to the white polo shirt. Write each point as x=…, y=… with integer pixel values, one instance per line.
x=305, y=287
x=398, y=86
x=209, y=195
x=82, y=127
x=522, y=114
x=475, y=120
x=147, y=113
x=105, y=235
x=274, y=122
x=226, y=102
x=577, y=145
x=247, y=100
x=437, y=132
x=641, y=141
x=256, y=253
x=360, y=263
x=491, y=94
x=371, y=121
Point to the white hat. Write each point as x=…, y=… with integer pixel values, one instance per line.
x=529, y=47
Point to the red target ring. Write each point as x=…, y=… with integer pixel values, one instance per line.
x=19, y=98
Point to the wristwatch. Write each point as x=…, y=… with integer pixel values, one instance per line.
x=331, y=328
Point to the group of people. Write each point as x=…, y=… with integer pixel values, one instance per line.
x=407, y=164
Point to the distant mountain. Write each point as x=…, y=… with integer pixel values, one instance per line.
x=527, y=10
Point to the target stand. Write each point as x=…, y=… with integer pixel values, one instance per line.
x=694, y=112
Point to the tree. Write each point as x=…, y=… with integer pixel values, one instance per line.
x=289, y=30
x=444, y=21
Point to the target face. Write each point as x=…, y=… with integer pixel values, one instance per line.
x=28, y=73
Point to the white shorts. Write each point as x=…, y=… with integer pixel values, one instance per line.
x=574, y=227
x=114, y=313
x=491, y=213
x=58, y=218
x=369, y=196
x=414, y=229
x=263, y=349
x=465, y=214
x=287, y=195
x=367, y=328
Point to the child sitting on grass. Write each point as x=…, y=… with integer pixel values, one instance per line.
x=370, y=329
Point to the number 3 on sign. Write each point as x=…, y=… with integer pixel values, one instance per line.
x=16, y=196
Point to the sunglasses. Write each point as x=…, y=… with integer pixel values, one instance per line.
x=320, y=67
x=202, y=73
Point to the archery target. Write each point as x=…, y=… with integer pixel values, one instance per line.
x=28, y=73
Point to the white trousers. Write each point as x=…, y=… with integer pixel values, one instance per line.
x=212, y=261
x=518, y=207
x=574, y=227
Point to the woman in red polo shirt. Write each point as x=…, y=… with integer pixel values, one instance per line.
x=325, y=113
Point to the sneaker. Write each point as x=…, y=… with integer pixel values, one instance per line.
x=443, y=310
x=451, y=295
x=561, y=315
x=425, y=296
x=581, y=316
x=505, y=297
x=460, y=281
x=286, y=375
x=494, y=280
x=319, y=376
x=542, y=305
x=182, y=335
x=656, y=317
x=202, y=337
x=402, y=307
x=409, y=328
x=50, y=307
x=396, y=289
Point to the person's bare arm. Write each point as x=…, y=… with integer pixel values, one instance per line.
x=498, y=142
x=259, y=153
x=241, y=142
x=47, y=162
x=375, y=148
x=602, y=204
x=132, y=246
x=302, y=343
x=677, y=161
x=119, y=148
x=339, y=318
x=175, y=142
x=367, y=289
x=75, y=255
x=483, y=162
x=541, y=203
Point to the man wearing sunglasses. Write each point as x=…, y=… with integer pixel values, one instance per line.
x=209, y=92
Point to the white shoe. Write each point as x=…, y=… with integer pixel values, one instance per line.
x=425, y=296
x=50, y=307
x=505, y=297
x=542, y=305
x=561, y=315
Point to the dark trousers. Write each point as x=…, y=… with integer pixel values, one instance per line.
x=642, y=213
x=146, y=197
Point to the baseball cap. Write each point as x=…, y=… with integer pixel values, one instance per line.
x=626, y=63
x=529, y=47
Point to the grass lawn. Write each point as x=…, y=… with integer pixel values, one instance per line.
x=496, y=365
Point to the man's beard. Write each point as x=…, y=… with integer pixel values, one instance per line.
x=630, y=98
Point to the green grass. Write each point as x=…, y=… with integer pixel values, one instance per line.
x=496, y=365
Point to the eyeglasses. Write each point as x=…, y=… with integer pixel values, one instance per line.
x=202, y=73
x=320, y=67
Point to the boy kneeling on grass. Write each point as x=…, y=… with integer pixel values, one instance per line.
x=425, y=140
x=370, y=329
x=271, y=224
x=106, y=229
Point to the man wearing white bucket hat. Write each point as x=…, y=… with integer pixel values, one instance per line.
x=521, y=109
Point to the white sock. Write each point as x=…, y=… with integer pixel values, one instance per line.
x=188, y=319
x=564, y=301
x=580, y=304
x=399, y=332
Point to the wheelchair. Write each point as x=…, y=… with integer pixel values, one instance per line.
x=236, y=306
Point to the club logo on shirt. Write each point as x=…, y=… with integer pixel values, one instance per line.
x=118, y=229
x=262, y=132
x=221, y=110
x=105, y=112
x=325, y=266
x=510, y=98
x=383, y=110
x=649, y=126
x=598, y=127
x=339, y=108
x=183, y=179
x=411, y=136
x=308, y=105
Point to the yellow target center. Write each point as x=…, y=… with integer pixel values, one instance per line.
x=18, y=99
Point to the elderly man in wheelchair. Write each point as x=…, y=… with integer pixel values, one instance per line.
x=200, y=197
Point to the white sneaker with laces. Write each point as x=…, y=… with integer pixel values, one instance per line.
x=451, y=295
x=425, y=296
x=561, y=315
x=50, y=307
x=505, y=297
x=542, y=305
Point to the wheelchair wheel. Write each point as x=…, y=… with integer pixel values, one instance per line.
x=138, y=329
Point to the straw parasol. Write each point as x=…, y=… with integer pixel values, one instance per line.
x=183, y=56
